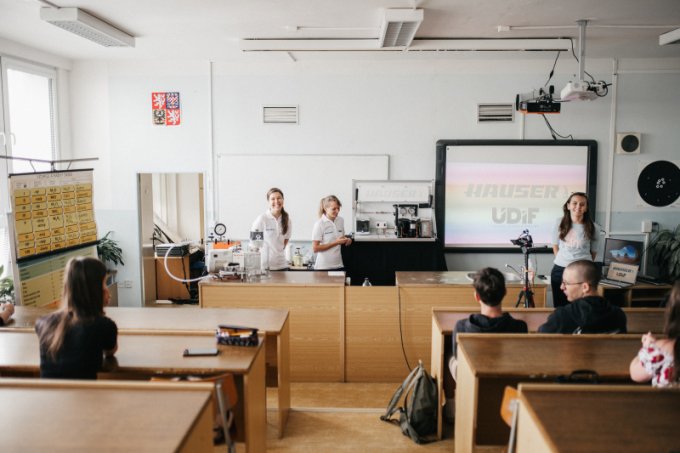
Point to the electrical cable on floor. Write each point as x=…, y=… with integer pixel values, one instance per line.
x=401, y=334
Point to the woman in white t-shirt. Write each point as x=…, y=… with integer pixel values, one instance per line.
x=277, y=228
x=574, y=239
x=328, y=235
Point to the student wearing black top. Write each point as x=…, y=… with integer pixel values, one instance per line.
x=489, y=286
x=74, y=339
x=587, y=312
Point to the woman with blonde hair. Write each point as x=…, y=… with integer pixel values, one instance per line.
x=328, y=235
x=74, y=339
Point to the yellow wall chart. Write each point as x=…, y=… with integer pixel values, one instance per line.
x=52, y=211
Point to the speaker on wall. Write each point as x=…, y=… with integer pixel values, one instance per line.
x=659, y=183
x=628, y=143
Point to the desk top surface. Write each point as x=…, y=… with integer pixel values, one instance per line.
x=551, y=355
x=283, y=278
x=138, y=353
x=433, y=278
x=63, y=418
x=631, y=418
x=173, y=319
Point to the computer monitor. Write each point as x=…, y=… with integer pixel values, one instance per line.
x=622, y=251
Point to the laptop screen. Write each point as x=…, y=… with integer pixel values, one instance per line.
x=622, y=251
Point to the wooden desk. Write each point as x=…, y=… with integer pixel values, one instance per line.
x=144, y=355
x=595, y=418
x=420, y=292
x=639, y=321
x=316, y=303
x=638, y=295
x=274, y=323
x=66, y=416
x=489, y=362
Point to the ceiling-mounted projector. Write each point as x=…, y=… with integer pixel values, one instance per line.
x=584, y=91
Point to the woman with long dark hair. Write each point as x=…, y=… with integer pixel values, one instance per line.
x=659, y=360
x=74, y=339
x=276, y=226
x=574, y=239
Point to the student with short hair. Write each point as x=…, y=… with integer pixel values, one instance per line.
x=328, y=235
x=587, y=312
x=74, y=339
x=489, y=285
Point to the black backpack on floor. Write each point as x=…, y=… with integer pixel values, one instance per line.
x=418, y=417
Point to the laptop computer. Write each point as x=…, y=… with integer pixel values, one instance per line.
x=620, y=275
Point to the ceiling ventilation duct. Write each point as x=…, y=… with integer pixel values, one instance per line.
x=399, y=27
x=87, y=26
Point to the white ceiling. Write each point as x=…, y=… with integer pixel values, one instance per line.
x=211, y=29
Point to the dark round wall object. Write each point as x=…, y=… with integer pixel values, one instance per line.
x=630, y=143
x=659, y=183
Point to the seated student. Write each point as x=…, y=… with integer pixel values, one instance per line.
x=6, y=311
x=74, y=339
x=489, y=286
x=587, y=312
x=659, y=360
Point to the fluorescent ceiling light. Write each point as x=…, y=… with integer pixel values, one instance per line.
x=672, y=37
x=399, y=27
x=87, y=26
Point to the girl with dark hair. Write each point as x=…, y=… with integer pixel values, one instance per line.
x=74, y=339
x=659, y=360
x=574, y=239
x=329, y=234
x=276, y=225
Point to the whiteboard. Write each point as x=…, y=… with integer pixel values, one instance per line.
x=243, y=180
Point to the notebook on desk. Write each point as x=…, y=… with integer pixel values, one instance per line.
x=620, y=275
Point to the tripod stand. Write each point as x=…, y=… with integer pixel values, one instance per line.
x=527, y=294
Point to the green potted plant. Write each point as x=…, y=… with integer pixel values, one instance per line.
x=6, y=287
x=110, y=252
x=665, y=248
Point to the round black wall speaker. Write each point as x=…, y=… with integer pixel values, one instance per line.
x=630, y=143
x=659, y=183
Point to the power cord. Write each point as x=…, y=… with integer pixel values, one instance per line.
x=401, y=334
x=553, y=132
x=552, y=71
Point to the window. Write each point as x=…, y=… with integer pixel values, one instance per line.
x=28, y=127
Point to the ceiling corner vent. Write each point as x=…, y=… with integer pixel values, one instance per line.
x=274, y=114
x=490, y=113
x=399, y=27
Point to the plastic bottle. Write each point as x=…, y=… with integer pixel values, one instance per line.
x=366, y=282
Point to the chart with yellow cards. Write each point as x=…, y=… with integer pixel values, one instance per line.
x=52, y=211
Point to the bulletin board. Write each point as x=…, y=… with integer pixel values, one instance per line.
x=243, y=181
x=53, y=211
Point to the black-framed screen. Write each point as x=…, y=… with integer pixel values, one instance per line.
x=622, y=251
x=489, y=191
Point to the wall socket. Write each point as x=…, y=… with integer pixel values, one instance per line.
x=126, y=284
x=647, y=226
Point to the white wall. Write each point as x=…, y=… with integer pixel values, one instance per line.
x=400, y=108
